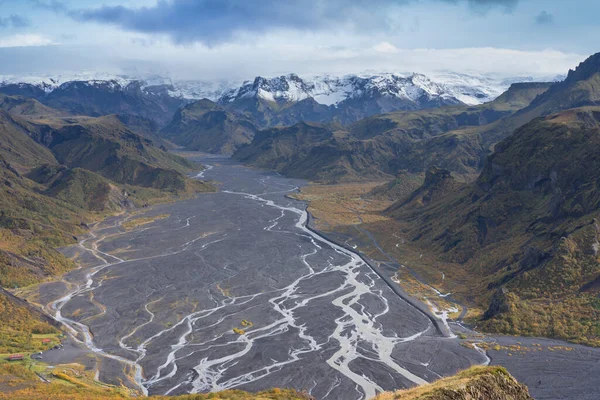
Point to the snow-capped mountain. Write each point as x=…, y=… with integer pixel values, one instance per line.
x=350, y=98
x=327, y=90
x=331, y=90
x=184, y=89
x=344, y=99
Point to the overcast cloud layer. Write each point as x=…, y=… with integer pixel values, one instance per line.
x=234, y=39
x=217, y=21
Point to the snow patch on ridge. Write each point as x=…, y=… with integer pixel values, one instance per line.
x=328, y=90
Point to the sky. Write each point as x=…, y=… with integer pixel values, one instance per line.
x=240, y=39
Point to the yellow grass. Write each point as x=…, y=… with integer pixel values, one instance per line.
x=445, y=385
x=344, y=204
x=134, y=223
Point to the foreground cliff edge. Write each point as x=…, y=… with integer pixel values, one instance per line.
x=485, y=383
x=477, y=383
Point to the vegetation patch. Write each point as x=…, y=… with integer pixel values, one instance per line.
x=72, y=382
x=343, y=205
x=22, y=331
x=473, y=383
x=134, y=223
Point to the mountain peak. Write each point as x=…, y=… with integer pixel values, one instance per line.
x=585, y=69
x=326, y=89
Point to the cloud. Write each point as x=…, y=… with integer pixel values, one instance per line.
x=13, y=21
x=239, y=62
x=492, y=3
x=544, y=18
x=487, y=4
x=49, y=5
x=216, y=21
x=26, y=40
x=386, y=47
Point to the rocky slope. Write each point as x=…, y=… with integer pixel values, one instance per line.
x=580, y=88
x=288, y=99
x=57, y=172
x=267, y=102
x=97, y=98
x=526, y=230
x=104, y=145
x=207, y=126
x=17, y=382
x=478, y=383
x=101, y=97
x=382, y=145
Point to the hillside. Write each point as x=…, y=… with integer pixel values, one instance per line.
x=477, y=383
x=525, y=233
x=312, y=151
x=73, y=383
x=25, y=106
x=458, y=138
x=403, y=184
x=98, y=98
x=82, y=188
x=17, y=147
x=20, y=322
x=382, y=145
x=289, y=99
x=208, y=127
x=59, y=173
x=579, y=89
x=106, y=146
x=31, y=226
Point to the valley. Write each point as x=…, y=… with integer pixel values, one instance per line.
x=355, y=215
x=299, y=200
x=230, y=290
x=230, y=301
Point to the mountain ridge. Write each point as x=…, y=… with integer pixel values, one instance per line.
x=341, y=98
x=526, y=228
x=483, y=87
x=380, y=146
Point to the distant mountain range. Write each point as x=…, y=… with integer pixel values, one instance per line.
x=318, y=99
x=327, y=89
x=380, y=146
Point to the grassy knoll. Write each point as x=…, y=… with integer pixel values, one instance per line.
x=71, y=382
x=477, y=383
x=134, y=223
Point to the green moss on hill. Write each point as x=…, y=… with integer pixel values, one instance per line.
x=19, y=383
x=381, y=146
x=526, y=230
x=477, y=383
